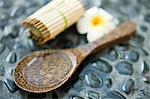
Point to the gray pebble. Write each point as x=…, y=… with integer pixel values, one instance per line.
x=128, y=86
x=124, y=68
x=12, y=57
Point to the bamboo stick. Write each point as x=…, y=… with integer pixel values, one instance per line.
x=52, y=19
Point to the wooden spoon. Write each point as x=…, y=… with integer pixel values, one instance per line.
x=46, y=70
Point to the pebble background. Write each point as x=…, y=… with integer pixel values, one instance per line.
x=119, y=72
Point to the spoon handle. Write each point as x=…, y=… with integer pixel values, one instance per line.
x=122, y=32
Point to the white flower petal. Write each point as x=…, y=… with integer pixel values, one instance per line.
x=91, y=12
x=82, y=26
x=107, y=28
x=105, y=14
x=94, y=32
x=94, y=35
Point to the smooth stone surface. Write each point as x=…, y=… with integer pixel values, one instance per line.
x=93, y=80
x=5, y=4
x=65, y=43
x=111, y=54
x=144, y=52
x=144, y=67
x=113, y=95
x=124, y=68
x=102, y=65
x=108, y=82
x=145, y=3
x=17, y=11
x=15, y=31
x=2, y=97
x=78, y=85
x=132, y=56
x=8, y=30
x=92, y=95
x=10, y=85
x=76, y=97
x=12, y=57
x=128, y=86
x=146, y=79
x=54, y=95
x=143, y=28
x=122, y=47
x=1, y=86
x=2, y=48
x=147, y=17
x=3, y=21
x=2, y=70
x=138, y=38
x=35, y=96
x=1, y=3
x=144, y=93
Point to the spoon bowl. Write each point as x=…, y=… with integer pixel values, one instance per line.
x=46, y=70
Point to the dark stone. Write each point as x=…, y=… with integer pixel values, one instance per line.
x=5, y=4
x=122, y=47
x=138, y=38
x=1, y=86
x=145, y=3
x=76, y=97
x=111, y=54
x=2, y=97
x=15, y=31
x=11, y=73
x=18, y=11
x=132, y=56
x=113, y=95
x=34, y=95
x=2, y=70
x=10, y=85
x=54, y=95
x=65, y=43
x=2, y=48
x=82, y=40
x=78, y=85
x=147, y=17
x=144, y=93
x=92, y=95
x=124, y=67
x=144, y=52
x=12, y=57
x=128, y=86
x=19, y=46
x=93, y=80
x=31, y=4
x=31, y=43
x=143, y=28
x=144, y=67
x=108, y=82
x=146, y=79
x=46, y=1
x=3, y=21
x=102, y=65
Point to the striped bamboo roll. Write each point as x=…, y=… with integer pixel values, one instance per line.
x=52, y=19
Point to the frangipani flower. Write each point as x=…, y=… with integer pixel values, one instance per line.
x=96, y=22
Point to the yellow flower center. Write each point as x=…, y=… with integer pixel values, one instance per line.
x=97, y=20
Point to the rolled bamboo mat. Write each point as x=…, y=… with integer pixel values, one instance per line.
x=49, y=21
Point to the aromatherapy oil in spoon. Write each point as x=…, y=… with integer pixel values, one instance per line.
x=47, y=70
